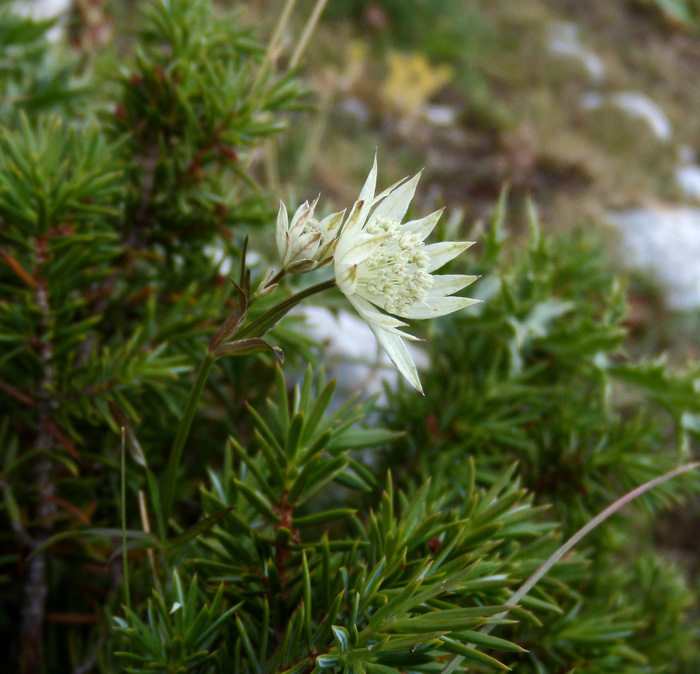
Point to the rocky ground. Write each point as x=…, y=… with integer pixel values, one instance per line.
x=589, y=108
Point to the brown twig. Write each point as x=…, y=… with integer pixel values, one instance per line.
x=93, y=657
x=33, y=612
x=284, y=510
x=18, y=268
x=17, y=395
x=149, y=164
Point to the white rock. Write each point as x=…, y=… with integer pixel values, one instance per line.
x=440, y=115
x=635, y=104
x=355, y=108
x=639, y=105
x=42, y=9
x=46, y=9
x=664, y=240
x=686, y=154
x=358, y=360
x=564, y=41
x=591, y=101
x=688, y=179
x=220, y=256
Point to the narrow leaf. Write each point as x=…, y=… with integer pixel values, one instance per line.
x=197, y=529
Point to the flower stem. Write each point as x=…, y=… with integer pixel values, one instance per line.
x=262, y=324
x=276, y=278
x=181, y=436
x=255, y=329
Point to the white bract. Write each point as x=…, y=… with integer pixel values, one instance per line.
x=306, y=244
x=383, y=264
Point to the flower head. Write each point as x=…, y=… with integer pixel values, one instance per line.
x=383, y=264
x=306, y=244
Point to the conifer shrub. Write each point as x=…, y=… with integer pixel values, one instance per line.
x=175, y=499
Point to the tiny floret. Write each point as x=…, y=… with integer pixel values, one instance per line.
x=383, y=264
x=306, y=243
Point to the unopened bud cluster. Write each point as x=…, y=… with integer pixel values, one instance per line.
x=306, y=243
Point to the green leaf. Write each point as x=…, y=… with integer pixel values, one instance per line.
x=322, y=517
x=307, y=600
x=137, y=452
x=196, y=529
x=248, y=646
x=95, y=531
x=327, y=661
x=446, y=621
x=361, y=438
x=294, y=435
x=244, y=347
x=257, y=500
x=471, y=654
x=255, y=471
x=316, y=415
x=487, y=641
x=230, y=325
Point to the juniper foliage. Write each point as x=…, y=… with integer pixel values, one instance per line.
x=539, y=373
x=271, y=535
x=113, y=223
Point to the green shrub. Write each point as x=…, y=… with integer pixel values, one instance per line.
x=275, y=526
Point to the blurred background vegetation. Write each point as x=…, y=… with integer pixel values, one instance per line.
x=142, y=141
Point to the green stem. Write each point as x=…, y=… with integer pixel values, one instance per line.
x=262, y=324
x=182, y=433
x=256, y=329
x=125, y=552
x=276, y=278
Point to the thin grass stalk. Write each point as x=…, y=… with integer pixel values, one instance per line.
x=308, y=31
x=279, y=30
x=562, y=550
x=125, y=552
x=146, y=524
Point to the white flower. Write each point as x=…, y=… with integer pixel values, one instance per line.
x=306, y=244
x=380, y=262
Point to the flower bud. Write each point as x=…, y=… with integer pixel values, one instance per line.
x=306, y=243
